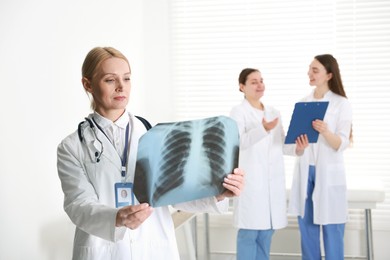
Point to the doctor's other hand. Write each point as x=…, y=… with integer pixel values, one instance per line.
x=320, y=126
x=301, y=142
x=268, y=126
x=234, y=183
x=133, y=216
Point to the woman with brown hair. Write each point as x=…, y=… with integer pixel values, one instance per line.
x=319, y=192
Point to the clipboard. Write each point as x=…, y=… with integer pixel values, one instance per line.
x=301, y=120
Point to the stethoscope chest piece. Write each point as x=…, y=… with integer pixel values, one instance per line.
x=92, y=142
x=98, y=149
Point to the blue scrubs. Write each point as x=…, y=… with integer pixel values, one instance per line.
x=254, y=244
x=333, y=234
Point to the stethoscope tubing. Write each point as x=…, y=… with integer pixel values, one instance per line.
x=92, y=124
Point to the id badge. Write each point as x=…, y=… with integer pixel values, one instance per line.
x=124, y=195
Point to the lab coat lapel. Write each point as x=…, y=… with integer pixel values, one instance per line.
x=109, y=151
x=251, y=111
x=133, y=148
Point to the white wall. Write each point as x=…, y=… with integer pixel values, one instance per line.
x=42, y=46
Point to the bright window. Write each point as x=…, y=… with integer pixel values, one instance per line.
x=213, y=40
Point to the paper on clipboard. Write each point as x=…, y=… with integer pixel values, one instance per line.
x=301, y=120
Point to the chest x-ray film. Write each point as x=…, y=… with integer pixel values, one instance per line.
x=184, y=161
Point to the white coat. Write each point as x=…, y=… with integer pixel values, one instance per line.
x=330, y=192
x=89, y=201
x=262, y=202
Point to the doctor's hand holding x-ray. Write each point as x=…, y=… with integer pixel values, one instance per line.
x=97, y=162
x=133, y=216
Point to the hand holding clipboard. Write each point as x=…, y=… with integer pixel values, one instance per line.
x=301, y=120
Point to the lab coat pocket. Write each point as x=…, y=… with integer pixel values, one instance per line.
x=101, y=252
x=336, y=174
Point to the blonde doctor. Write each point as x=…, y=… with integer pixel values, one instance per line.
x=97, y=162
x=261, y=207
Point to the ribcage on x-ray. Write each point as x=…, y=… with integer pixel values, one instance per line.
x=202, y=141
x=214, y=147
x=175, y=152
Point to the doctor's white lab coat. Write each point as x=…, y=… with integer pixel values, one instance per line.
x=89, y=201
x=330, y=192
x=262, y=203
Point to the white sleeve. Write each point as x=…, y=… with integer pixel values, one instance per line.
x=344, y=125
x=80, y=200
x=250, y=132
x=207, y=205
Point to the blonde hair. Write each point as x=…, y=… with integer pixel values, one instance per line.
x=92, y=63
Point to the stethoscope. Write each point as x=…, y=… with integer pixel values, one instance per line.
x=92, y=126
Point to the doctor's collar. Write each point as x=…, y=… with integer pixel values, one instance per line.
x=122, y=121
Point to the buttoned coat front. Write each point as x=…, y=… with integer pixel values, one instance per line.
x=262, y=203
